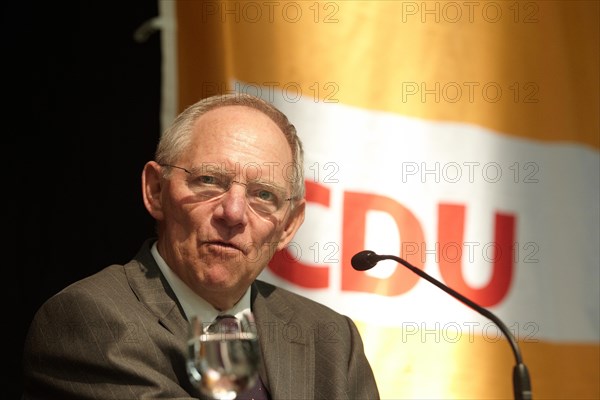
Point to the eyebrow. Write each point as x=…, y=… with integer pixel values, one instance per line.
x=210, y=170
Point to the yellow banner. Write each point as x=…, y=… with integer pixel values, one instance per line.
x=527, y=68
x=459, y=124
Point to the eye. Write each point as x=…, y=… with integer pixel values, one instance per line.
x=207, y=180
x=266, y=195
x=208, y=186
x=263, y=194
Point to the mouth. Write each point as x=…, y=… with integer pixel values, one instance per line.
x=222, y=246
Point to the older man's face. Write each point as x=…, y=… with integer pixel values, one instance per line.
x=219, y=246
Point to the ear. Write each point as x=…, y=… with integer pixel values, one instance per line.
x=151, y=189
x=292, y=224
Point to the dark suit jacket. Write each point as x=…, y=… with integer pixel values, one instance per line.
x=121, y=334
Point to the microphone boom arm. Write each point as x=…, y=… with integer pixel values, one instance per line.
x=521, y=382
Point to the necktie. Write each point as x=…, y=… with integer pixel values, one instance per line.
x=230, y=324
x=257, y=392
x=224, y=324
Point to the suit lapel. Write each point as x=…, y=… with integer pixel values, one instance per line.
x=152, y=289
x=286, y=339
x=287, y=344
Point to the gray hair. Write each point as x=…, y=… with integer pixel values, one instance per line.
x=177, y=137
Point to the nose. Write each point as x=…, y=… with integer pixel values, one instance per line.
x=233, y=207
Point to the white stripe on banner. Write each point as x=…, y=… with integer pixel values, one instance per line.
x=423, y=165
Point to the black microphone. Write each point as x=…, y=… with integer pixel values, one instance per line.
x=367, y=259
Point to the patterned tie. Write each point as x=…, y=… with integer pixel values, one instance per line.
x=258, y=392
x=230, y=324
x=224, y=324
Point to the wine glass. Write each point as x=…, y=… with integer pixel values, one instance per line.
x=223, y=358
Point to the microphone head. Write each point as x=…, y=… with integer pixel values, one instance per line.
x=364, y=260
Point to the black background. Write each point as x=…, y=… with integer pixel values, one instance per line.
x=81, y=117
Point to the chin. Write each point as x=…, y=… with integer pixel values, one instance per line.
x=220, y=278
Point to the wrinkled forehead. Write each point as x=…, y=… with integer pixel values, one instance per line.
x=243, y=142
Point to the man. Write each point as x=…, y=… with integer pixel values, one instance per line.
x=227, y=191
